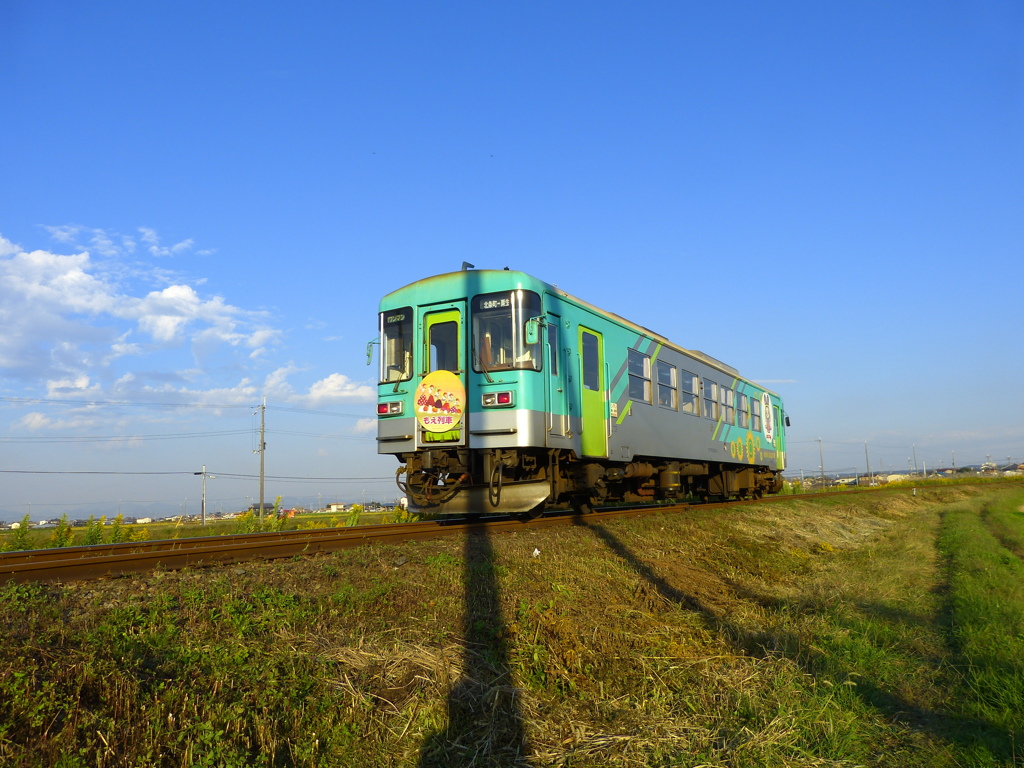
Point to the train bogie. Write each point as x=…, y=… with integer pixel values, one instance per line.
x=499, y=393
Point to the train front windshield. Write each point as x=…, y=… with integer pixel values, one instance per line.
x=499, y=331
x=396, y=345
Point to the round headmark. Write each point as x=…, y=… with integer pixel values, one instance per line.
x=440, y=401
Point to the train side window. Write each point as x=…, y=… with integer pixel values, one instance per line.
x=755, y=413
x=727, y=398
x=744, y=412
x=688, y=384
x=591, y=362
x=667, y=395
x=639, y=368
x=553, y=344
x=710, y=399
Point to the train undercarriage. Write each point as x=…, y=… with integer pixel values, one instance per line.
x=523, y=481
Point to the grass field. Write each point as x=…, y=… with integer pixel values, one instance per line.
x=870, y=629
x=109, y=530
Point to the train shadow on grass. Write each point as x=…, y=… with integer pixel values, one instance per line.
x=991, y=743
x=485, y=725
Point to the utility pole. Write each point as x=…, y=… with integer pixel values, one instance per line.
x=914, y=448
x=821, y=456
x=203, y=473
x=262, y=450
x=867, y=461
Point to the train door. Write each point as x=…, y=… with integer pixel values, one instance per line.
x=558, y=414
x=594, y=437
x=440, y=402
x=780, y=439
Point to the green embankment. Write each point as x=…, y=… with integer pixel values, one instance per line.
x=852, y=629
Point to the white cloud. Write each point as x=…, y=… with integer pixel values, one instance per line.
x=78, y=386
x=152, y=239
x=338, y=388
x=365, y=426
x=65, y=314
x=243, y=393
x=35, y=422
x=332, y=390
x=276, y=384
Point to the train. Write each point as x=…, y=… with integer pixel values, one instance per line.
x=500, y=393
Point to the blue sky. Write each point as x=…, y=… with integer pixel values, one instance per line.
x=201, y=204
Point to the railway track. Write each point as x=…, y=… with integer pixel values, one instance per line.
x=103, y=560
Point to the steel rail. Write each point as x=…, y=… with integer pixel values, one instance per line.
x=102, y=560
x=97, y=561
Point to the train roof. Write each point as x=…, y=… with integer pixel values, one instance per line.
x=491, y=280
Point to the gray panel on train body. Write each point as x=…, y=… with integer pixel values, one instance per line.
x=650, y=429
x=515, y=428
x=396, y=435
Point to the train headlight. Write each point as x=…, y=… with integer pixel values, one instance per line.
x=498, y=399
x=389, y=409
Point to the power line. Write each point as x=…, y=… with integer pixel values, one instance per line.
x=83, y=472
x=114, y=438
x=314, y=434
x=292, y=478
x=224, y=475
x=55, y=401
x=368, y=413
x=134, y=403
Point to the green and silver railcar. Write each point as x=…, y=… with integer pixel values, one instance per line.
x=500, y=393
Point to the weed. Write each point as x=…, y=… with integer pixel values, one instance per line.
x=62, y=535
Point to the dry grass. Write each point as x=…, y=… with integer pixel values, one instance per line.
x=795, y=633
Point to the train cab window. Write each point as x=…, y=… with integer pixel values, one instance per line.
x=499, y=332
x=396, y=345
x=688, y=384
x=667, y=394
x=743, y=412
x=755, y=414
x=444, y=346
x=727, y=399
x=639, y=368
x=710, y=399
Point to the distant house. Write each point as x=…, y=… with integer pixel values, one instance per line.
x=335, y=507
